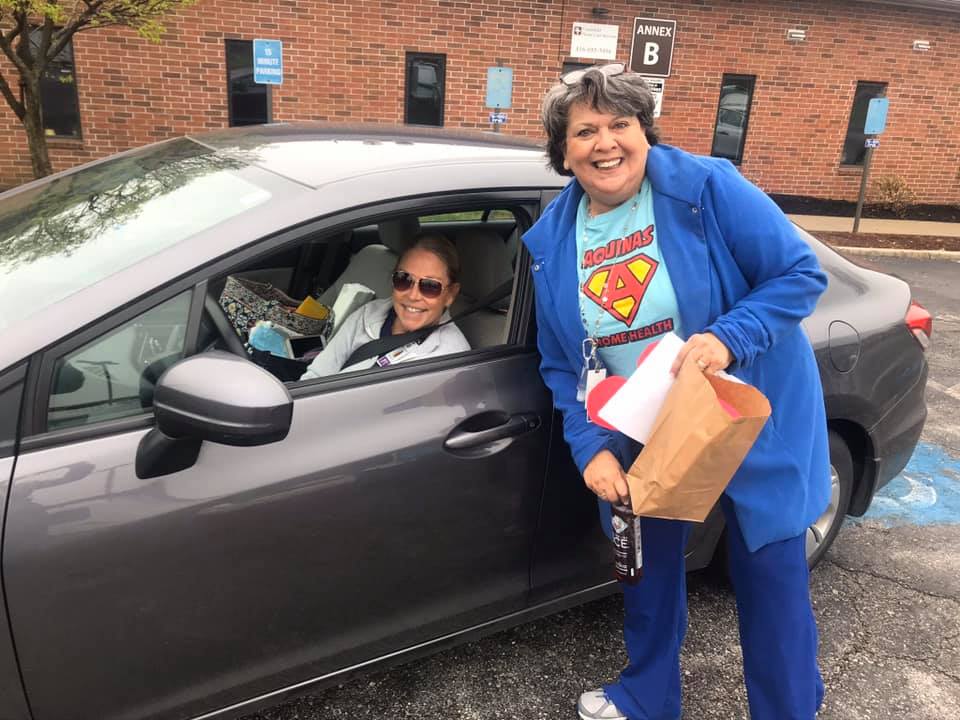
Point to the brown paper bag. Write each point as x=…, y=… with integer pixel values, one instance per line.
x=695, y=446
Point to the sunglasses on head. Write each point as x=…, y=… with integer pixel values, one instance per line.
x=611, y=70
x=429, y=288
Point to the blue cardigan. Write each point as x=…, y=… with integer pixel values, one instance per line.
x=741, y=272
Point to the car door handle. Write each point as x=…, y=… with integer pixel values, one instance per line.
x=488, y=427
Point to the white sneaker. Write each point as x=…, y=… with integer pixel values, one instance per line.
x=595, y=705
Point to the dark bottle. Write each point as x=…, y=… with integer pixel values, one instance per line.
x=627, y=550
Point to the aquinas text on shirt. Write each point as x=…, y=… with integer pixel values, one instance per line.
x=618, y=248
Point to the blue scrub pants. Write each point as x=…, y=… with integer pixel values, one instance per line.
x=778, y=633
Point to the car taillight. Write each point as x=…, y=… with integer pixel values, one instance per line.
x=920, y=322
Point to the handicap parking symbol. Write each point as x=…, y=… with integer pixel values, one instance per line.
x=926, y=492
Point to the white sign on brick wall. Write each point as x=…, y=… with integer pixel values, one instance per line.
x=656, y=85
x=590, y=40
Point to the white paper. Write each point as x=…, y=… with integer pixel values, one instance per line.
x=634, y=407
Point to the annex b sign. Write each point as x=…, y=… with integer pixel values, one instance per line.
x=651, y=50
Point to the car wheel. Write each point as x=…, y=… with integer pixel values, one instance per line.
x=820, y=535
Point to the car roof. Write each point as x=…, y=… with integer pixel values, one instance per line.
x=354, y=150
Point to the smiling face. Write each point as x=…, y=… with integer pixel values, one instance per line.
x=415, y=311
x=607, y=154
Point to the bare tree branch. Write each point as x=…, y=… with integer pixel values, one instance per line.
x=11, y=36
x=13, y=54
x=6, y=44
x=84, y=20
x=46, y=32
x=81, y=22
x=15, y=104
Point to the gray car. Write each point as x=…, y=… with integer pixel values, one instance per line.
x=184, y=535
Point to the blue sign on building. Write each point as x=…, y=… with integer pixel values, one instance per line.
x=876, y=116
x=268, y=62
x=499, y=87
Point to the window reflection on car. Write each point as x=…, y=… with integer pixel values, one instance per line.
x=80, y=228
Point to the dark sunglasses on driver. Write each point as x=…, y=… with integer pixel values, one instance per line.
x=429, y=288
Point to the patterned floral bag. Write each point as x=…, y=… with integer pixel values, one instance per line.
x=246, y=302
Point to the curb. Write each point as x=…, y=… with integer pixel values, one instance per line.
x=898, y=252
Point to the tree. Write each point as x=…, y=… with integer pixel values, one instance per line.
x=33, y=33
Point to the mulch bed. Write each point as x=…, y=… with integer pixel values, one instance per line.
x=804, y=205
x=878, y=240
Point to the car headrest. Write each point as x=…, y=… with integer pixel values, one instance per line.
x=398, y=233
x=485, y=263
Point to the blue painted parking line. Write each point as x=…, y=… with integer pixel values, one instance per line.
x=927, y=492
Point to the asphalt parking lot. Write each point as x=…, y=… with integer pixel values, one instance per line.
x=887, y=599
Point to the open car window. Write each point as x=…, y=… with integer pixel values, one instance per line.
x=111, y=373
x=293, y=304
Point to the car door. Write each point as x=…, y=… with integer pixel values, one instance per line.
x=579, y=557
x=13, y=705
x=400, y=508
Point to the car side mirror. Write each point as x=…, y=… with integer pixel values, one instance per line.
x=217, y=397
x=69, y=379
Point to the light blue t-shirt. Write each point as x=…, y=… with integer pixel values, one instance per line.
x=626, y=298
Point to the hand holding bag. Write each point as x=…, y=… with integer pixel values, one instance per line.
x=704, y=430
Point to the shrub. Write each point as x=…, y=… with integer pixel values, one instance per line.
x=891, y=192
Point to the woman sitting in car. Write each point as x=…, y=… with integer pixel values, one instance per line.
x=425, y=284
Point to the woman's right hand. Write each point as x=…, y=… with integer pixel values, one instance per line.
x=605, y=477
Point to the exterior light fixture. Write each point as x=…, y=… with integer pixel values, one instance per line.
x=796, y=34
x=599, y=12
x=921, y=45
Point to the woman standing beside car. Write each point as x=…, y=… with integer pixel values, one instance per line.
x=647, y=237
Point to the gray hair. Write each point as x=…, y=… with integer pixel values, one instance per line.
x=624, y=94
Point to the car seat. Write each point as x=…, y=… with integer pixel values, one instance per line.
x=485, y=265
x=373, y=265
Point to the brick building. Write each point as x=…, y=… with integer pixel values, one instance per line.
x=780, y=86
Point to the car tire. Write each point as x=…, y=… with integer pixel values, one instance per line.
x=822, y=533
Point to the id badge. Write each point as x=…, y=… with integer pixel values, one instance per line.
x=594, y=378
x=395, y=355
x=589, y=370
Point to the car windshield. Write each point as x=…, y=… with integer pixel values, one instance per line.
x=67, y=234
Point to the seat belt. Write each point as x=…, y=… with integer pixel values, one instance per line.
x=381, y=346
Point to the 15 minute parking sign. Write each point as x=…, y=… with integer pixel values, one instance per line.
x=268, y=62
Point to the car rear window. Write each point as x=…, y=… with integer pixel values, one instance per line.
x=66, y=234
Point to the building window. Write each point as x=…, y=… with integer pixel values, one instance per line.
x=853, y=150
x=59, y=103
x=733, y=112
x=248, y=102
x=426, y=80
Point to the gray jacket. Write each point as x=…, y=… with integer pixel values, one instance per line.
x=364, y=325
